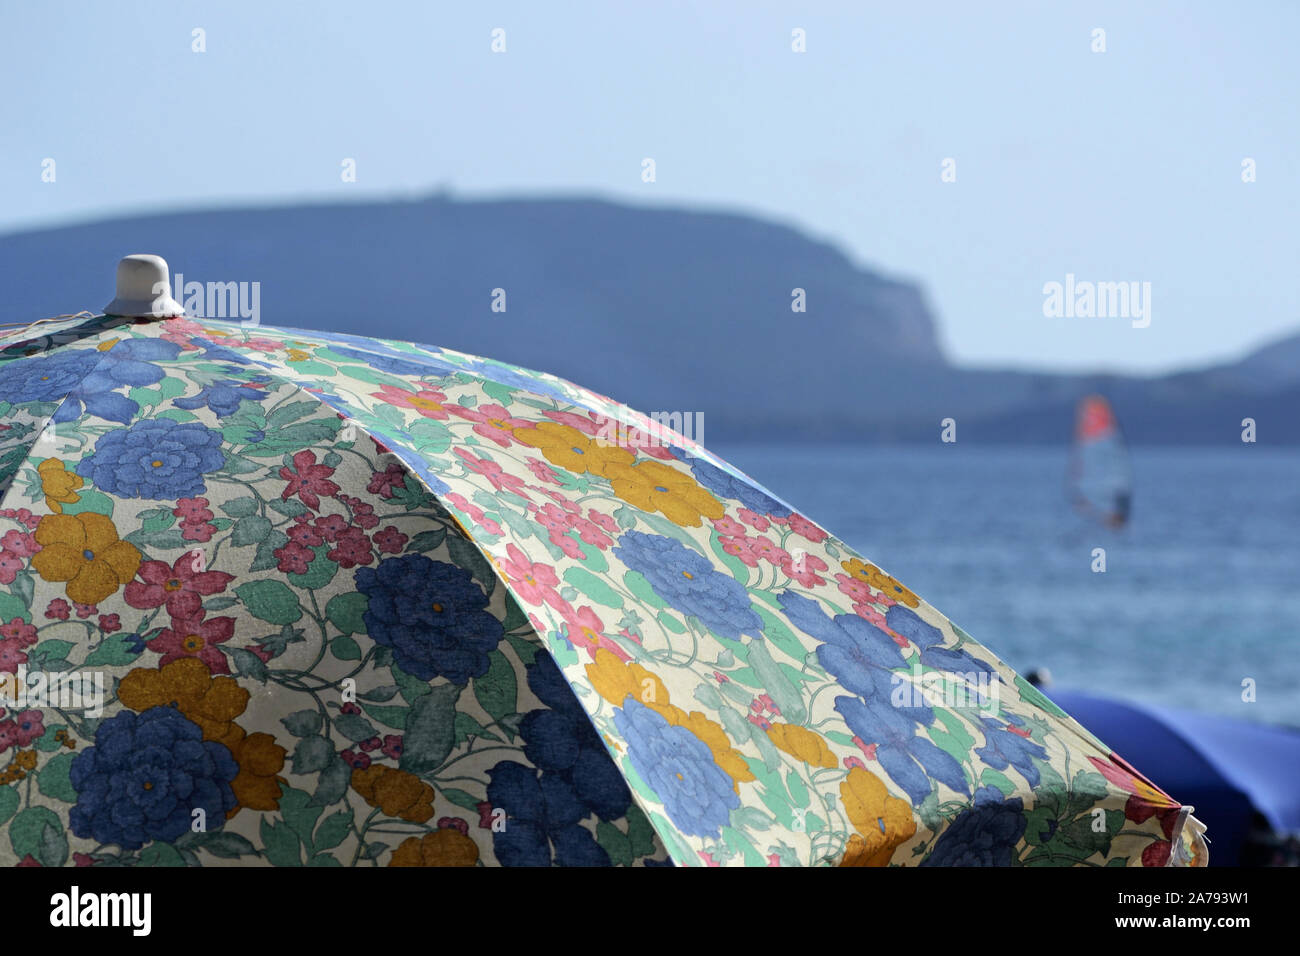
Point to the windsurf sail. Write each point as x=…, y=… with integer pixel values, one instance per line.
x=1101, y=479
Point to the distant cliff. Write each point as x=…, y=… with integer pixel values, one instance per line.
x=667, y=310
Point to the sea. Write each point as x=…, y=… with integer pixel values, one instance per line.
x=1198, y=607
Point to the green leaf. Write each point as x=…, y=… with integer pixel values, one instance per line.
x=289, y=507
x=355, y=727
x=248, y=664
x=332, y=783
x=272, y=601
x=460, y=798
x=53, y=780
x=8, y=803
x=12, y=607
x=593, y=587
x=345, y=611
x=466, y=555
x=161, y=854
x=53, y=849
x=239, y=507
x=430, y=730
x=427, y=540
x=332, y=830
x=249, y=530
x=280, y=844
x=345, y=648
x=291, y=412
x=497, y=691
x=28, y=828
x=227, y=846
x=113, y=651
x=312, y=754
x=615, y=843
x=302, y=723
x=394, y=717
x=787, y=698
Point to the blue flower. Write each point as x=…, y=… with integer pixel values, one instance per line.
x=930, y=640
x=862, y=658
x=679, y=768
x=222, y=396
x=397, y=363
x=126, y=364
x=45, y=379
x=432, y=615
x=726, y=485
x=561, y=740
x=156, y=458
x=145, y=775
x=1002, y=749
x=984, y=835
x=542, y=812
x=689, y=582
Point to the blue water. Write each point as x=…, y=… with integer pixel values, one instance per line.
x=1200, y=592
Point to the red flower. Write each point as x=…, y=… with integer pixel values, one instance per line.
x=195, y=637
x=353, y=548
x=390, y=540
x=108, y=623
x=383, y=482
x=308, y=480
x=179, y=586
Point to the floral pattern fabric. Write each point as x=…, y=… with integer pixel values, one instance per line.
x=358, y=602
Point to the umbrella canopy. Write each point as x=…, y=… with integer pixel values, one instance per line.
x=358, y=601
x=1232, y=771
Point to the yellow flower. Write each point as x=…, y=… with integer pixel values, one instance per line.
x=297, y=355
x=58, y=484
x=447, y=847
x=260, y=759
x=881, y=581
x=802, y=744
x=884, y=823
x=186, y=684
x=572, y=450
x=84, y=550
x=654, y=486
x=616, y=681
x=396, y=792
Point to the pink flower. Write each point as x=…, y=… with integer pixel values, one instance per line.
x=392, y=747
x=754, y=520
x=802, y=526
x=767, y=549
x=373, y=743
x=774, y=859
x=542, y=471
x=426, y=401
x=178, y=585
x=193, y=510
x=108, y=623
x=11, y=657
x=868, y=750
x=590, y=532
x=307, y=480
x=390, y=540
x=739, y=548
x=305, y=533
x=59, y=609
x=85, y=859
x=383, y=482
x=293, y=558
x=730, y=527
x=355, y=760
x=805, y=569
x=851, y=762
x=532, y=582
x=20, y=631
x=197, y=531
x=589, y=424
x=10, y=565
x=493, y=422
x=85, y=610
x=493, y=472
x=708, y=858
x=28, y=725
x=352, y=548
x=331, y=526
x=453, y=823
x=21, y=543
x=585, y=630
x=22, y=515
x=195, y=637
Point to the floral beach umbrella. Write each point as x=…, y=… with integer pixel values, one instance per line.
x=270, y=596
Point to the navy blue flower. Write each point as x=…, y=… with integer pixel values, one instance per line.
x=688, y=581
x=679, y=767
x=862, y=658
x=127, y=363
x=1003, y=749
x=145, y=775
x=157, y=458
x=561, y=740
x=45, y=379
x=984, y=835
x=432, y=615
x=222, y=397
x=542, y=820
x=726, y=485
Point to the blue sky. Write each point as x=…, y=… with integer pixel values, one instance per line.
x=1114, y=166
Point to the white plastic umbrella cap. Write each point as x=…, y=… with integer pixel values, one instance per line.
x=144, y=289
